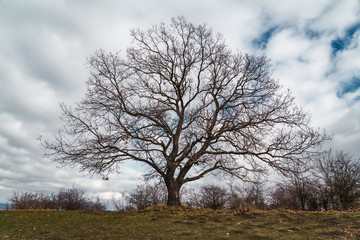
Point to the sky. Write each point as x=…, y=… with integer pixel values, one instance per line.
x=314, y=47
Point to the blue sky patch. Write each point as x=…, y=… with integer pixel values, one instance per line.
x=262, y=41
x=349, y=87
x=341, y=43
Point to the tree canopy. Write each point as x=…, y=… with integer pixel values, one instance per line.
x=185, y=105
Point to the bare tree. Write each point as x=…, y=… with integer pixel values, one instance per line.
x=300, y=185
x=340, y=174
x=185, y=105
x=333, y=184
x=298, y=191
x=323, y=195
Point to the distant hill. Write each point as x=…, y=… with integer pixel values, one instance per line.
x=4, y=206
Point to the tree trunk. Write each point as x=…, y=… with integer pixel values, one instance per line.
x=173, y=193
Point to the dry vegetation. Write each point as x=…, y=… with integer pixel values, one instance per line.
x=179, y=223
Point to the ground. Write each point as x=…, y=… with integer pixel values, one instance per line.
x=178, y=223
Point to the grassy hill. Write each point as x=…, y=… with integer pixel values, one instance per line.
x=171, y=223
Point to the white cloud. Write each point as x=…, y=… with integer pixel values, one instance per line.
x=283, y=10
x=287, y=44
x=348, y=61
x=305, y=64
x=337, y=16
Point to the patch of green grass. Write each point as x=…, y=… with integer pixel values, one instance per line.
x=184, y=223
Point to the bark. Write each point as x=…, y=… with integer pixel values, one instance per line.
x=173, y=193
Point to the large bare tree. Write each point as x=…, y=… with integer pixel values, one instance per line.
x=185, y=105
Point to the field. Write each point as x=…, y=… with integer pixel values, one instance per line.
x=185, y=223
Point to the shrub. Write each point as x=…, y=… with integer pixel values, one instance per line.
x=148, y=195
x=211, y=196
x=66, y=199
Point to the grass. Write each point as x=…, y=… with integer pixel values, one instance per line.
x=184, y=223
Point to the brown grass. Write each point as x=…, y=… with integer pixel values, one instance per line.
x=179, y=223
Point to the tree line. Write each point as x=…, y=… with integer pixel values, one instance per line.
x=333, y=183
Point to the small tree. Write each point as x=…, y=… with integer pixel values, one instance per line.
x=300, y=186
x=340, y=174
x=284, y=197
x=185, y=105
x=324, y=196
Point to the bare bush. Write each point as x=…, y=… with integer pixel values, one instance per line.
x=250, y=195
x=97, y=205
x=123, y=204
x=66, y=199
x=31, y=200
x=299, y=192
x=211, y=196
x=72, y=199
x=148, y=195
x=235, y=199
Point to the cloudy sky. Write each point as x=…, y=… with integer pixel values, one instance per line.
x=314, y=47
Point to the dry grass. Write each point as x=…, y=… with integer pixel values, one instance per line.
x=179, y=223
